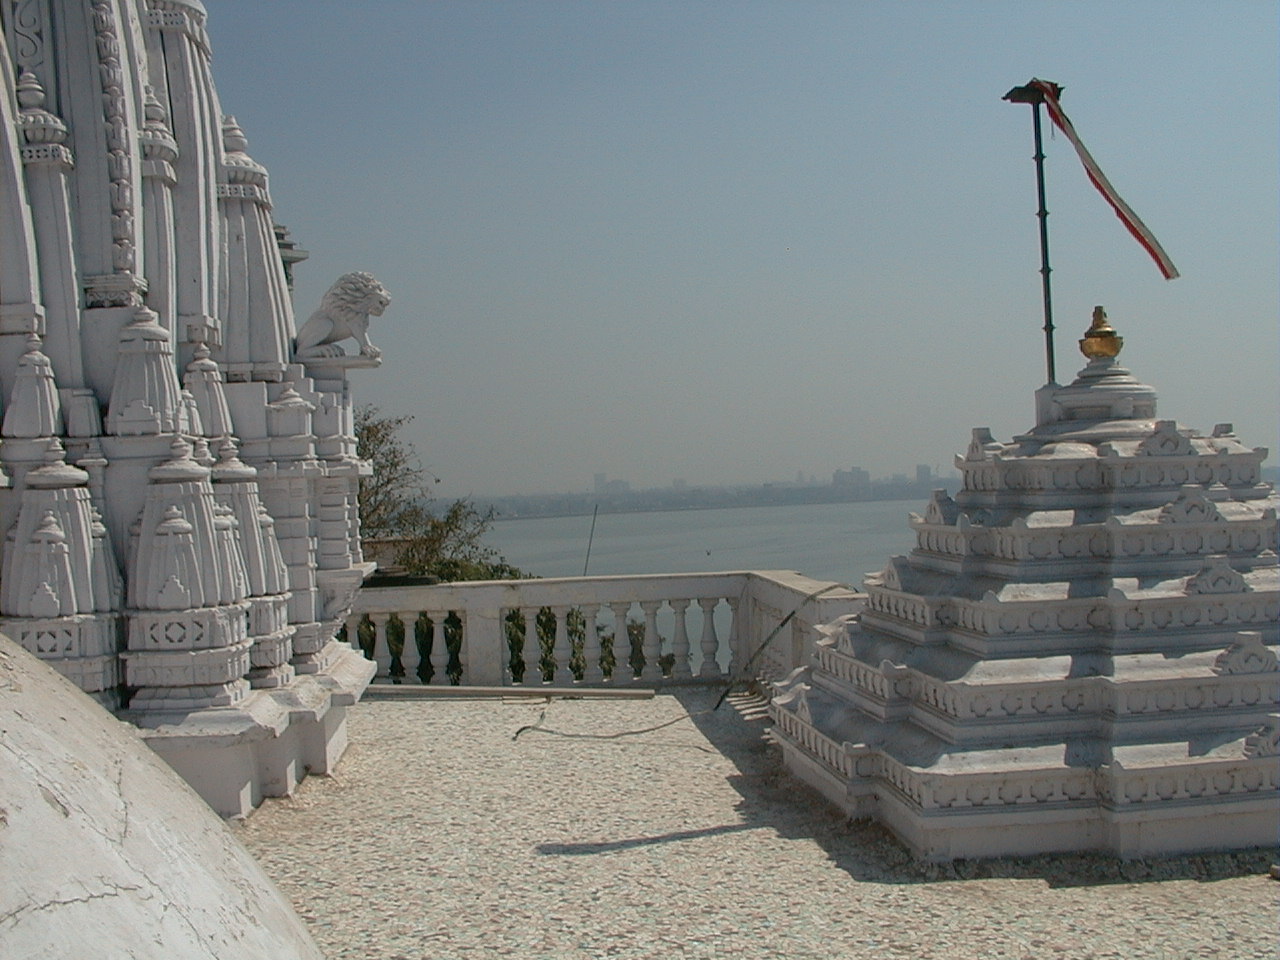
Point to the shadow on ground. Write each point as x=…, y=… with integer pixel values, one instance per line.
x=771, y=799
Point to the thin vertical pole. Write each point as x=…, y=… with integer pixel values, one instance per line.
x=1043, y=214
x=590, y=539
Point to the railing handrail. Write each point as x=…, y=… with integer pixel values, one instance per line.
x=758, y=604
x=577, y=590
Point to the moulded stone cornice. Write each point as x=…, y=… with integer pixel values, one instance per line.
x=123, y=289
x=245, y=191
x=210, y=629
x=1070, y=551
x=1116, y=621
x=201, y=328
x=56, y=473
x=83, y=648
x=21, y=318
x=1113, y=474
x=1009, y=781
x=180, y=467
x=185, y=16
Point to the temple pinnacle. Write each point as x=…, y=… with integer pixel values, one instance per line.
x=1100, y=340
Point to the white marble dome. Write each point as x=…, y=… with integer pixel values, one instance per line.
x=106, y=852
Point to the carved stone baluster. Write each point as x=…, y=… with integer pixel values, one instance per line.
x=353, y=629
x=428, y=643
x=651, y=646
x=410, y=657
x=532, y=648
x=562, y=650
x=737, y=657
x=708, y=641
x=592, y=672
x=439, y=648
x=508, y=655
x=381, y=651
x=622, y=670
x=680, y=670
x=463, y=640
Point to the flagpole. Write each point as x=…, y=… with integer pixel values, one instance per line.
x=1035, y=98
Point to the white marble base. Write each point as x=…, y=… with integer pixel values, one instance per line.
x=267, y=743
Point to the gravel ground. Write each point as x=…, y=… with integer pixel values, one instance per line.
x=441, y=836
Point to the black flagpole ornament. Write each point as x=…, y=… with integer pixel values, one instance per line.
x=1035, y=96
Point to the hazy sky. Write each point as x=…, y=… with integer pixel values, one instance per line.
x=726, y=241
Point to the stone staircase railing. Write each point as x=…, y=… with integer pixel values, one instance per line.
x=677, y=628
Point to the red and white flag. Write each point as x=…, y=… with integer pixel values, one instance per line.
x=1130, y=219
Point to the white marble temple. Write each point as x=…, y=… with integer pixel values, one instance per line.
x=178, y=489
x=1077, y=655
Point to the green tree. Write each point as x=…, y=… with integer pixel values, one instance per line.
x=396, y=506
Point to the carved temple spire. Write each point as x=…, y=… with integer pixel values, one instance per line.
x=145, y=398
x=34, y=409
x=254, y=297
x=203, y=379
x=186, y=583
x=59, y=587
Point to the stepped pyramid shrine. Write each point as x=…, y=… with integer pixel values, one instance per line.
x=178, y=475
x=1078, y=654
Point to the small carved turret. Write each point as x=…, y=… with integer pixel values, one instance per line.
x=203, y=380
x=33, y=410
x=39, y=126
x=144, y=394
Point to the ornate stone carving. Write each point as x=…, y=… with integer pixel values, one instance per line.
x=45, y=134
x=1246, y=655
x=1217, y=577
x=942, y=509
x=1265, y=742
x=1166, y=441
x=983, y=446
x=119, y=141
x=159, y=149
x=28, y=34
x=1191, y=506
x=344, y=313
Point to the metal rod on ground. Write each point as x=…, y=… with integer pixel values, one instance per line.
x=590, y=538
x=1035, y=98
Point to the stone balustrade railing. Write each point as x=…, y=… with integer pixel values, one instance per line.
x=675, y=627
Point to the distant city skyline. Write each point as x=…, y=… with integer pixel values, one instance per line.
x=716, y=241
x=602, y=483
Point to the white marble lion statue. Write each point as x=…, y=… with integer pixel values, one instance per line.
x=344, y=312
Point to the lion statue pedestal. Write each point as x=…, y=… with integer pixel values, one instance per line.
x=344, y=314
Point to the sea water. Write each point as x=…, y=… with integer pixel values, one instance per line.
x=829, y=541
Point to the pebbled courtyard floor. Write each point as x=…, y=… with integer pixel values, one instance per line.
x=444, y=836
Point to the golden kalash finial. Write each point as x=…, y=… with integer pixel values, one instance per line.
x=1101, y=340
